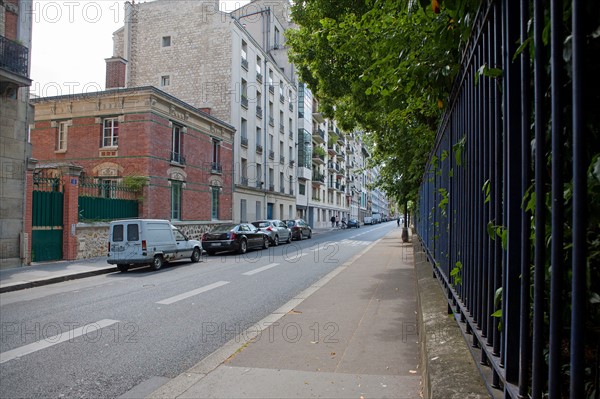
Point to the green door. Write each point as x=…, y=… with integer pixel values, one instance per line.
x=47, y=219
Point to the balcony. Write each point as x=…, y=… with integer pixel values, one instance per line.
x=244, y=181
x=332, y=166
x=319, y=136
x=245, y=64
x=304, y=173
x=259, y=184
x=216, y=168
x=291, y=134
x=318, y=178
x=259, y=148
x=291, y=107
x=271, y=154
x=281, y=98
x=281, y=128
x=244, y=101
x=177, y=158
x=271, y=89
x=259, y=111
x=291, y=191
x=319, y=159
x=259, y=77
x=271, y=187
x=271, y=121
x=244, y=141
x=282, y=159
x=14, y=62
x=282, y=189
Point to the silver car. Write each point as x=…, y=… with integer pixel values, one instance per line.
x=276, y=230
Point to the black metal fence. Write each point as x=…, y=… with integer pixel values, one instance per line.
x=106, y=200
x=509, y=209
x=14, y=57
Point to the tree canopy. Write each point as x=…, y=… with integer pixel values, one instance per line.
x=385, y=67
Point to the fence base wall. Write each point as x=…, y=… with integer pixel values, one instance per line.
x=448, y=369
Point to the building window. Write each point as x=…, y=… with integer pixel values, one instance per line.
x=165, y=80
x=108, y=188
x=61, y=137
x=110, y=132
x=276, y=39
x=216, y=155
x=301, y=189
x=166, y=41
x=243, y=217
x=258, y=136
x=177, y=145
x=258, y=210
x=216, y=191
x=175, y=200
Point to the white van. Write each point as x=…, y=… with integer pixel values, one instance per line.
x=368, y=220
x=148, y=241
x=376, y=218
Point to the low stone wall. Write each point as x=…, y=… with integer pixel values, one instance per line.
x=447, y=366
x=93, y=237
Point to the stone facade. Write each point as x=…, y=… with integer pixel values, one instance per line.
x=15, y=117
x=209, y=59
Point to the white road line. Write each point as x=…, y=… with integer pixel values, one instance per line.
x=54, y=340
x=260, y=269
x=188, y=294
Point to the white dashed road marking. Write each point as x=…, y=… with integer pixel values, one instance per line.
x=260, y=269
x=188, y=294
x=56, y=339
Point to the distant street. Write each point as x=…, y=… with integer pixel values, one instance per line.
x=101, y=336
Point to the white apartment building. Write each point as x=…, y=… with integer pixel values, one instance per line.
x=234, y=66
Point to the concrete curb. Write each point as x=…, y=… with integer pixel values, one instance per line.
x=53, y=280
x=448, y=368
x=180, y=384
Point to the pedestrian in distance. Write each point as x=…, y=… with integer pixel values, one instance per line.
x=332, y=221
x=337, y=221
x=398, y=221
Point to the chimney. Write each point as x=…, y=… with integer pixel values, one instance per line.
x=116, y=68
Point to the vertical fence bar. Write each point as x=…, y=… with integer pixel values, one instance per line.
x=512, y=201
x=578, y=287
x=556, y=38
x=524, y=337
x=539, y=297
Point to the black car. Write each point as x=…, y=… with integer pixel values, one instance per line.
x=234, y=237
x=353, y=223
x=299, y=227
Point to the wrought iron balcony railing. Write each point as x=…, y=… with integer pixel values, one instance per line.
x=14, y=57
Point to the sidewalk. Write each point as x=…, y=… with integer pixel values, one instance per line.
x=51, y=272
x=353, y=334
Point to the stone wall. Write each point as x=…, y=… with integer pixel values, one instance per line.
x=93, y=237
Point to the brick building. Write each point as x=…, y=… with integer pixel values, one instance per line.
x=186, y=155
x=15, y=117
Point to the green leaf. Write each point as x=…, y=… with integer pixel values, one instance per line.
x=497, y=313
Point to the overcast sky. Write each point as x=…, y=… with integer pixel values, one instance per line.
x=71, y=39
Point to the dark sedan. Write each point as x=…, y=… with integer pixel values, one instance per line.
x=353, y=223
x=234, y=237
x=299, y=227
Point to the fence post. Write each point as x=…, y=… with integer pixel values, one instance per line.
x=28, y=213
x=70, y=182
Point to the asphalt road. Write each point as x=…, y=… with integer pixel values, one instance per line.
x=102, y=336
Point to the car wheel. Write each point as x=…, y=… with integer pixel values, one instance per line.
x=196, y=255
x=122, y=267
x=157, y=263
x=276, y=240
x=243, y=246
x=266, y=242
x=309, y=235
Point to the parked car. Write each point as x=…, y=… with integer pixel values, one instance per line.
x=276, y=230
x=368, y=220
x=353, y=223
x=148, y=242
x=299, y=228
x=234, y=237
